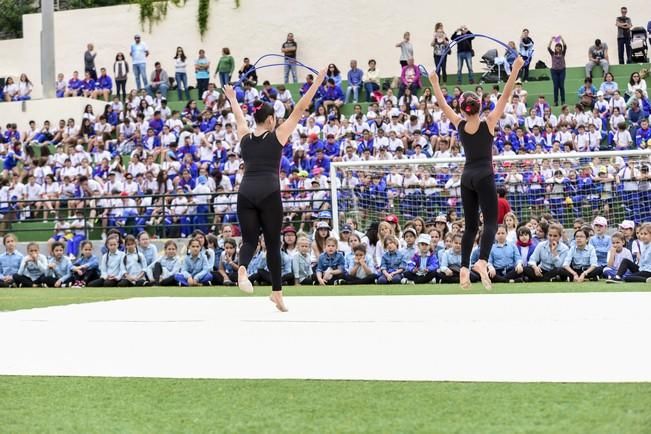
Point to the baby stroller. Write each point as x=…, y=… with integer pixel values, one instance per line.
x=639, y=47
x=495, y=71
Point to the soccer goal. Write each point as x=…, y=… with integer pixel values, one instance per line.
x=614, y=184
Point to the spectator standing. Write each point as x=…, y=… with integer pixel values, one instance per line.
x=597, y=55
x=139, y=53
x=526, y=51
x=225, y=67
x=289, y=49
x=159, y=81
x=120, y=73
x=439, y=45
x=181, y=73
x=624, y=26
x=355, y=76
x=89, y=61
x=406, y=49
x=464, y=53
x=202, y=72
x=558, y=67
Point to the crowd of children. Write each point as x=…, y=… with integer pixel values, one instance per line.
x=540, y=250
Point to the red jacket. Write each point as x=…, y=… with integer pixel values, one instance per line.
x=503, y=208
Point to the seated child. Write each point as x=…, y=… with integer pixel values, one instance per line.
x=86, y=268
x=393, y=264
x=504, y=261
x=164, y=269
x=10, y=261
x=301, y=265
x=423, y=266
x=330, y=266
x=33, y=268
x=111, y=264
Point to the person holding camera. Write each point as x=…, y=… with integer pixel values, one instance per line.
x=464, y=52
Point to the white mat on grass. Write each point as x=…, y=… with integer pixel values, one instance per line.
x=583, y=337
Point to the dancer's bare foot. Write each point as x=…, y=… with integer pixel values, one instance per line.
x=481, y=267
x=243, y=281
x=277, y=298
x=464, y=278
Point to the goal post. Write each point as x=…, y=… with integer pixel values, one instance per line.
x=614, y=184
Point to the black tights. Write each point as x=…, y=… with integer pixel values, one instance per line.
x=265, y=214
x=481, y=194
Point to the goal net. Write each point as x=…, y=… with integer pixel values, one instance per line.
x=568, y=186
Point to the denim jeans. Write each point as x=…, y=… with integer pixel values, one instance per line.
x=182, y=77
x=354, y=90
x=558, y=78
x=224, y=78
x=370, y=87
x=464, y=56
x=290, y=66
x=140, y=70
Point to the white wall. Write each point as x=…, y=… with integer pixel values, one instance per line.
x=40, y=110
x=333, y=31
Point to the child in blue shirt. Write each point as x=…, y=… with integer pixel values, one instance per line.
x=111, y=265
x=148, y=250
x=451, y=263
x=86, y=268
x=10, y=261
x=423, y=266
x=164, y=269
x=59, y=267
x=581, y=261
x=641, y=272
x=330, y=267
x=301, y=264
x=135, y=264
x=393, y=264
x=359, y=266
x=33, y=268
x=227, y=267
x=196, y=268
x=504, y=261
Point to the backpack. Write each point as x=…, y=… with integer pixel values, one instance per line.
x=540, y=65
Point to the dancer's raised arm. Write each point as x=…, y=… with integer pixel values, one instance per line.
x=242, y=126
x=494, y=116
x=285, y=129
x=440, y=100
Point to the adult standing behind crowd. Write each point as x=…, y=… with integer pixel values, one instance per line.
x=355, y=76
x=120, y=73
x=464, y=52
x=202, y=72
x=225, y=67
x=289, y=49
x=406, y=49
x=558, y=67
x=624, y=26
x=89, y=61
x=526, y=51
x=139, y=53
x=439, y=45
x=181, y=73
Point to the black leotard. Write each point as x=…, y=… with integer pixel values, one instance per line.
x=478, y=191
x=259, y=204
x=261, y=157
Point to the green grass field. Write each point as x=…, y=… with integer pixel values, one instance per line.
x=27, y=298
x=134, y=405
x=111, y=405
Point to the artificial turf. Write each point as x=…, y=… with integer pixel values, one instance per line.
x=26, y=298
x=111, y=405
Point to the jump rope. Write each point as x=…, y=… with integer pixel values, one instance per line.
x=421, y=68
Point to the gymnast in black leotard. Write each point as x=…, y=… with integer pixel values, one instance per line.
x=477, y=181
x=259, y=204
